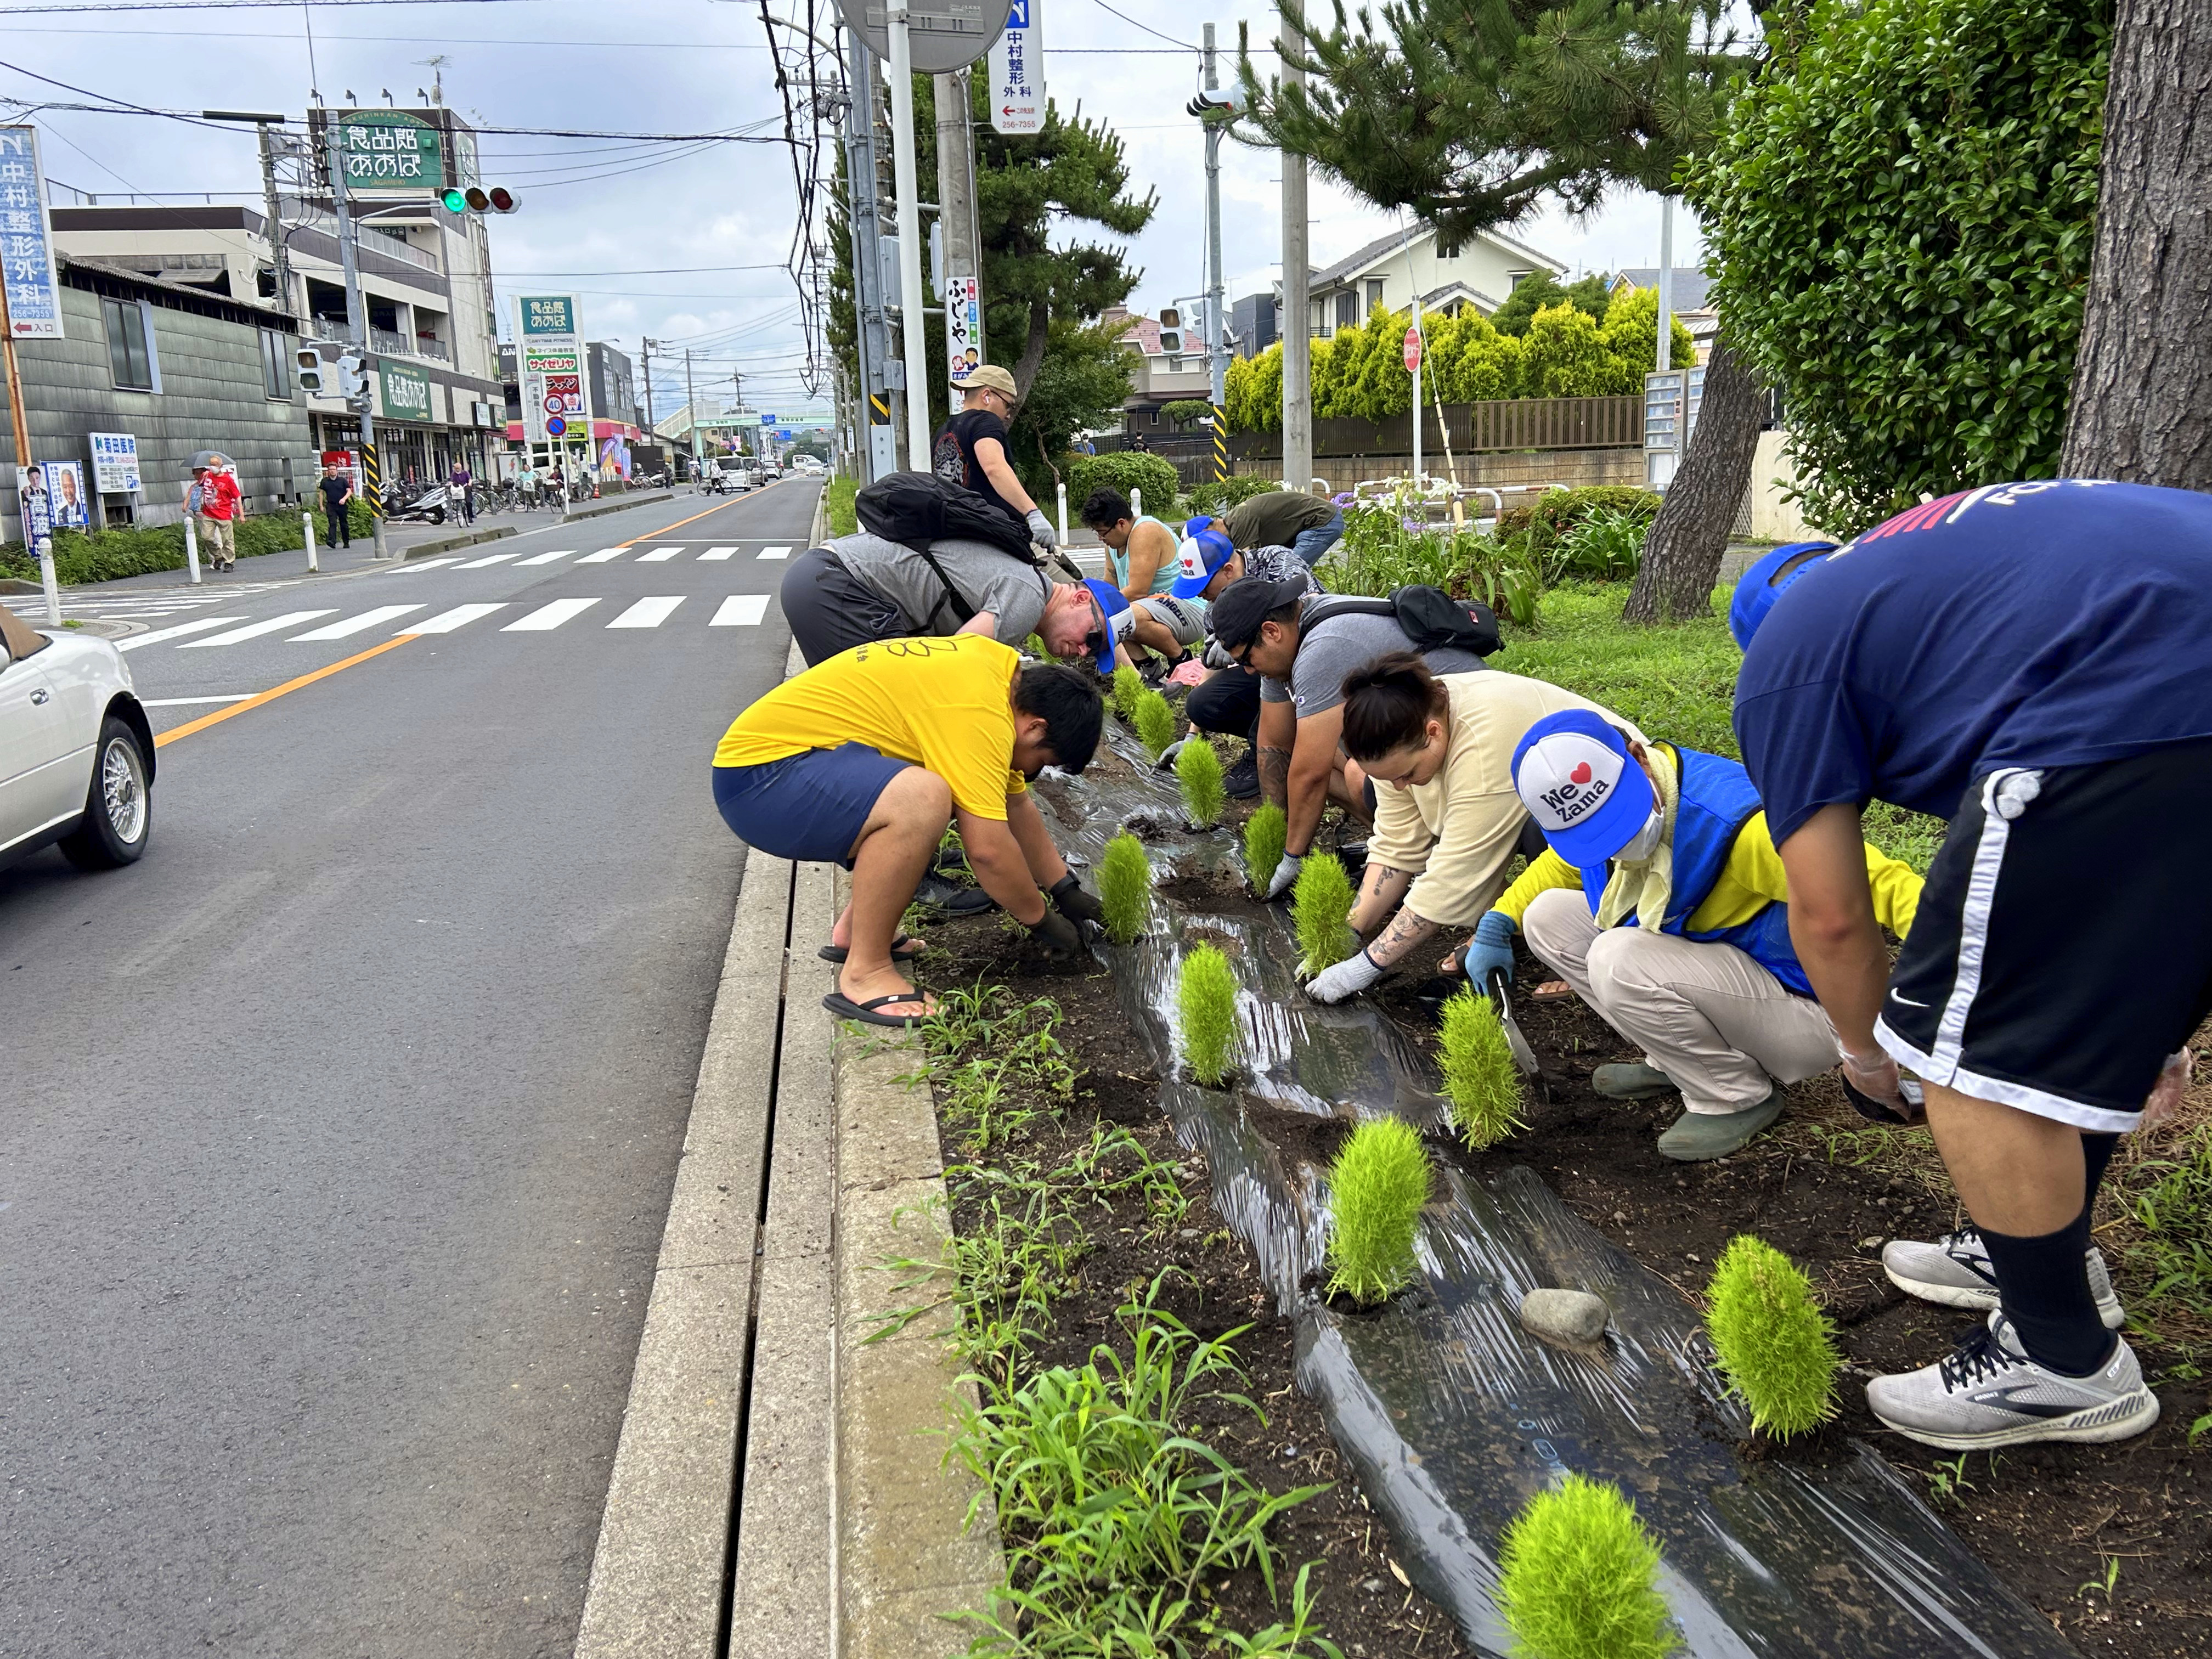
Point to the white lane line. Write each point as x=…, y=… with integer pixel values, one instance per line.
x=776, y=553
x=741, y=611
x=361, y=624
x=648, y=613
x=177, y=633
x=548, y=617
x=603, y=556
x=545, y=558
x=421, y=564
x=186, y=702
x=719, y=553
x=496, y=558
x=255, y=630
x=659, y=555
x=446, y=621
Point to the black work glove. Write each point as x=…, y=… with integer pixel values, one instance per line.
x=1074, y=904
x=1058, y=936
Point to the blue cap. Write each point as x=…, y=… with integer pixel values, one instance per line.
x=1573, y=772
x=1204, y=549
x=1111, y=602
x=1758, y=588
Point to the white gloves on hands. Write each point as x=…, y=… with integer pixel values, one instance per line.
x=1348, y=978
x=1286, y=873
x=1874, y=1076
x=1040, y=530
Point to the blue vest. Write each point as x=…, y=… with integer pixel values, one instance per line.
x=1716, y=801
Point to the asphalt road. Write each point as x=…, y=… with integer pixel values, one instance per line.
x=340, y=1128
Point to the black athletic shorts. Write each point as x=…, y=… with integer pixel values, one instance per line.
x=2062, y=947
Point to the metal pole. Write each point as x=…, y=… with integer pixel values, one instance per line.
x=691, y=411
x=1292, y=327
x=1420, y=363
x=307, y=529
x=364, y=405
x=279, y=255
x=1217, y=331
x=913, y=337
x=649, y=433
x=191, y=551
x=1664, y=353
x=863, y=172
x=15, y=413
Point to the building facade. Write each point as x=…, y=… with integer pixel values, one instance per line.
x=1478, y=272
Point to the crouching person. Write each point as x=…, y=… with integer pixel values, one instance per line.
x=864, y=760
x=1661, y=900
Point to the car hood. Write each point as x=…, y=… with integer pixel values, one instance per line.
x=88, y=654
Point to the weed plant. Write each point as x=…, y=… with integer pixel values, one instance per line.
x=1775, y=1346
x=1576, y=1578
x=1207, y=998
x=1198, y=769
x=1125, y=888
x=1155, y=722
x=2175, y=1215
x=1481, y=1079
x=1265, y=833
x=1321, y=906
x=1128, y=686
x=1377, y=1185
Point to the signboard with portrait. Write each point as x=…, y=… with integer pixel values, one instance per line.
x=27, y=242
x=114, y=463
x=65, y=501
x=963, y=328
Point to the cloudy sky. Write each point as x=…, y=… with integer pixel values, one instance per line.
x=685, y=242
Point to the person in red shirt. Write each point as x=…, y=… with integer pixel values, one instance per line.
x=216, y=497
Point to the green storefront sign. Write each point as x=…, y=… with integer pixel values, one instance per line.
x=388, y=150
x=406, y=392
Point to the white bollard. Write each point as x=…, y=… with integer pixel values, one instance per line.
x=1063, y=516
x=1136, y=502
x=308, y=525
x=192, y=551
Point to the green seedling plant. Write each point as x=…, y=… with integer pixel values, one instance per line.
x=2107, y=1584
x=1125, y=888
x=1128, y=686
x=1776, y=1347
x=1320, y=909
x=1198, y=769
x=1946, y=1481
x=1265, y=833
x=1576, y=1578
x=1481, y=1079
x=1155, y=722
x=1377, y=1185
x=1206, y=996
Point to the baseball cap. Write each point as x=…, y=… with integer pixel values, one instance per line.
x=1199, y=558
x=1099, y=641
x=989, y=376
x=1573, y=772
x=1758, y=587
x=1238, y=614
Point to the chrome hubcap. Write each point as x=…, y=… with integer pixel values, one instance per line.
x=123, y=789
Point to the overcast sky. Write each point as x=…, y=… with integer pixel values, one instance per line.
x=625, y=227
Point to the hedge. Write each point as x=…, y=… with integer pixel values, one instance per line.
x=105, y=555
x=1558, y=511
x=1124, y=471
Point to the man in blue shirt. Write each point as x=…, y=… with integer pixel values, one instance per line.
x=2034, y=662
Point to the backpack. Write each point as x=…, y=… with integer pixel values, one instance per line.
x=916, y=509
x=1430, y=618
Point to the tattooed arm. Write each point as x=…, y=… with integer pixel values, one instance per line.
x=1405, y=931
x=1278, y=732
x=1381, y=891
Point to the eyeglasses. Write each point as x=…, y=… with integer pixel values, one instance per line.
x=1240, y=654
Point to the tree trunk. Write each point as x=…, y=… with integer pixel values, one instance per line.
x=2142, y=408
x=1682, y=555
x=1032, y=357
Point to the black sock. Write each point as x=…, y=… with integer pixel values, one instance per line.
x=2096, y=1153
x=2044, y=1282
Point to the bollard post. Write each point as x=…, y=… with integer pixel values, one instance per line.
x=192, y=551
x=308, y=525
x=1136, y=502
x=1063, y=513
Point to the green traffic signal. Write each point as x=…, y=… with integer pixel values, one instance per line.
x=454, y=202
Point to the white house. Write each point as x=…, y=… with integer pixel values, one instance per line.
x=1479, y=272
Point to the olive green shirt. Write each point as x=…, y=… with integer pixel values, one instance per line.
x=1275, y=519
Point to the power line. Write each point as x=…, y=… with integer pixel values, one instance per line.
x=1147, y=28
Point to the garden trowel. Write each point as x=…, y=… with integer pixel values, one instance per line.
x=1524, y=1056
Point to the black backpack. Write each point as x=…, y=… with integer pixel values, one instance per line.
x=1432, y=618
x=917, y=508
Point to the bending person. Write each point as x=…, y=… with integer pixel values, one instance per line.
x=1227, y=699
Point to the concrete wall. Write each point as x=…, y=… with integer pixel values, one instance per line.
x=1773, y=471
x=1573, y=468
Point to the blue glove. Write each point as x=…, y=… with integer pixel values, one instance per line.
x=1492, y=947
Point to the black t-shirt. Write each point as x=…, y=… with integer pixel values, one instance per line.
x=954, y=457
x=334, y=492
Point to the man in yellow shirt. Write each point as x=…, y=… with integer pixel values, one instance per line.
x=863, y=759
x=1662, y=901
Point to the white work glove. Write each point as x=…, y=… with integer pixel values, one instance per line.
x=1348, y=978
x=1286, y=874
x=1873, y=1076
x=1040, y=530
x=2165, y=1094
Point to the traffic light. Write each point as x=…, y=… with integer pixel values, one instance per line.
x=1171, y=331
x=309, y=370
x=353, y=374
x=476, y=200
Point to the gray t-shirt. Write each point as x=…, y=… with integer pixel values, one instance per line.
x=1329, y=650
x=987, y=579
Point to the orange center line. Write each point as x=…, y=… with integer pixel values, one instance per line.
x=694, y=519
x=275, y=692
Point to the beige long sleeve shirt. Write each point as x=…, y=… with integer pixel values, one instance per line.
x=1455, y=833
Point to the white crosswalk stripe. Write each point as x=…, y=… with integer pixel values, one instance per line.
x=548, y=617
x=493, y=558
x=545, y=558
x=648, y=613
x=741, y=611
x=713, y=553
x=255, y=630
x=161, y=635
x=446, y=621
x=603, y=556
x=361, y=624
x=421, y=564
x=775, y=552
x=659, y=555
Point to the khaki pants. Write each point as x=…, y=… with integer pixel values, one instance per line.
x=218, y=540
x=1707, y=1015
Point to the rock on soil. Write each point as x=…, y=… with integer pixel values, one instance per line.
x=1564, y=1316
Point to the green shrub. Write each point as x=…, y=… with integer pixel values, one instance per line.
x=103, y=555
x=1125, y=471
x=837, y=505
x=1155, y=722
x=1320, y=908
x=1775, y=1346
x=1125, y=888
x=1607, y=545
x=1481, y=1079
x=1577, y=1576
x=1207, y=998
x=1265, y=833
x=1556, y=512
x=1187, y=412
x=1377, y=1185
x=1128, y=686
x=1198, y=769
x=1218, y=495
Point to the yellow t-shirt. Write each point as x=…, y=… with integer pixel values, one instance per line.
x=941, y=704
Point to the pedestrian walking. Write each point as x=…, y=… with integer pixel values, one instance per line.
x=213, y=497
x=461, y=483
x=337, y=488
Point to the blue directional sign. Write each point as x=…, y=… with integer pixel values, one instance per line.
x=768, y=420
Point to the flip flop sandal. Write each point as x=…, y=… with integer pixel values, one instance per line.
x=845, y=1008
x=837, y=952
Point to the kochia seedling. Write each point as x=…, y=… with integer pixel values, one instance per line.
x=1207, y=998
x=1265, y=832
x=1377, y=1185
x=1125, y=888
x=1576, y=1578
x=1320, y=908
x=1155, y=723
x=1480, y=1076
x=1198, y=769
x=1128, y=686
x=1775, y=1346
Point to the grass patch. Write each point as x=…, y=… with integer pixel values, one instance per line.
x=1206, y=998
x=1155, y=721
x=1377, y=1185
x=1266, y=833
x=1775, y=1346
x=837, y=509
x=1320, y=911
x=1197, y=770
x=2174, y=1216
x=1483, y=1083
x=1125, y=888
x=1576, y=1578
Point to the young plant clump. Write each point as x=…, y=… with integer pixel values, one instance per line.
x=1207, y=998
x=1265, y=832
x=1125, y=888
x=1775, y=1346
x=1128, y=686
x=1198, y=769
x=1480, y=1075
x=1321, y=906
x=1155, y=722
x=1376, y=1188
x=1576, y=1578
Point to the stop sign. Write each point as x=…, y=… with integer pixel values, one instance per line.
x=1412, y=350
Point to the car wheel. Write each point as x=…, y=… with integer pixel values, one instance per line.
x=118, y=809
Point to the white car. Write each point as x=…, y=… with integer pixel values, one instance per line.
x=77, y=753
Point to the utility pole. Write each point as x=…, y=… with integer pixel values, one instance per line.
x=43, y=544
x=956, y=195
x=1297, y=342
x=364, y=401
x=913, y=337
x=691, y=411
x=1665, y=350
x=875, y=457
x=1216, y=321
x=280, y=254
x=649, y=345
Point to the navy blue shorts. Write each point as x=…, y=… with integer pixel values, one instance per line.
x=810, y=806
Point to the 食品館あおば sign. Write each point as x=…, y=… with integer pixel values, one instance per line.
x=406, y=392
x=550, y=354
x=386, y=149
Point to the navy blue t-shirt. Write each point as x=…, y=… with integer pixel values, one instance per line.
x=2051, y=623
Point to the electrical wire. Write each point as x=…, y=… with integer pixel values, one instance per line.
x=1147, y=28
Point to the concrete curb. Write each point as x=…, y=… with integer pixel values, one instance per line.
x=623, y=505
x=467, y=538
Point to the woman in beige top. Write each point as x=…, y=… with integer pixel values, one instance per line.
x=1439, y=752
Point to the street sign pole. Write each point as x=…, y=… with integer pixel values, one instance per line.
x=364, y=403
x=1216, y=330
x=1414, y=342
x=44, y=544
x=912, y=337
x=691, y=411
x=1292, y=327
x=877, y=457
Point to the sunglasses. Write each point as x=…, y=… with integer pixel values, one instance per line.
x=1095, y=640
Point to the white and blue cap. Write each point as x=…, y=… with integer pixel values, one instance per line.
x=1573, y=772
x=1758, y=587
x=1205, y=548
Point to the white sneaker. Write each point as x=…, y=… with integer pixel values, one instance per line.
x=1955, y=1270
x=1988, y=1392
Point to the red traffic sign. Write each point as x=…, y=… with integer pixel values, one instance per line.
x=556, y=427
x=1412, y=350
